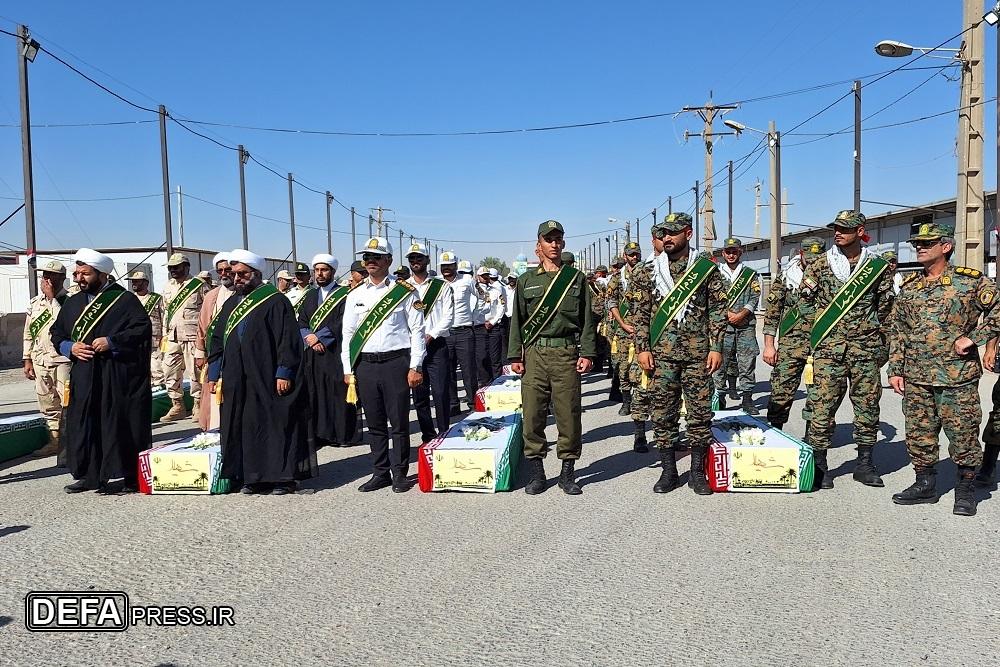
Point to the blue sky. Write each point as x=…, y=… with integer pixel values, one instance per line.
x=457, y=66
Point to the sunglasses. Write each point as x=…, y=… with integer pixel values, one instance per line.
x=372, y=257
x=223, y=272
x=244, y=274
x=925, y=244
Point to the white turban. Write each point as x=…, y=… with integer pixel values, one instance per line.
x=253, y=260
x=102, y=263
x=323, y=258
x=221, y=257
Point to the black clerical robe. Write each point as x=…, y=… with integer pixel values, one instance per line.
x=107, y=421
x=264, y=435
x=332, y=420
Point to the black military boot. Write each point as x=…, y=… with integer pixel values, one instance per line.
x=864, y=470
x=536, y=482
x=823, y=478
x=721, y=398
x=626, y=409
x=639, y=443
x=748, y=406
x=615, y=395
x=697, y=480
x=987, y=471
x=668, y=475
x=965, y=492
x=921, y=491
x=776, y=424
x=731, y=381
x=567, y=479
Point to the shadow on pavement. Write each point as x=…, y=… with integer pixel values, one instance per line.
x=342, y=472
x=5, y=620
x=29, y=475
x=10, y=530
x=616, y=465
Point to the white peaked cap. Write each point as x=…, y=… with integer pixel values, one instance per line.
x=101, y=262
x=251, y=259
x=221, y=257
x=494, y=273
x=324, y=258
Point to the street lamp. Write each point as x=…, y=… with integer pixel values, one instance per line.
x=890, y=48
x=774, y=144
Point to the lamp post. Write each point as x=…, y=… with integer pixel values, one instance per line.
x=992, y=17
x=774, y=144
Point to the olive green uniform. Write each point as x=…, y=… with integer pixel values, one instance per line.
x=550, y=362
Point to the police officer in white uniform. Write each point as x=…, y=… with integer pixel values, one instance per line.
x=461, y=342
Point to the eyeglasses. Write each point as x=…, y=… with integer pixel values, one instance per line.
x=925, y=244
x=223, y=272
x=372, y=257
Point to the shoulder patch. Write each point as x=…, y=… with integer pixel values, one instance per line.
x=987, y=296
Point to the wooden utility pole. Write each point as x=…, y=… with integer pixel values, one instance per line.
x=708, y=113
x=970, y=209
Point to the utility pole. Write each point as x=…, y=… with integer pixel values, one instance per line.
x=400, y=246
x=26, y=50
x=610, y=257
x=180, y=214
x=637, y=223
x=329, y=226
x=857, y=146
x=670, y=205
x=756, y=209
x=618, y=249
x=708, y=113
x=370, y=222
x=243, y=157
x=291, y=216
x=354, y=243
x=970, y=209
x=165, y=168
x=730, y=227
x=697, y=213
x=380, y=221
x=774, y=142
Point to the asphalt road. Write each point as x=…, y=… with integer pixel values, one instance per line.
x=615, y=576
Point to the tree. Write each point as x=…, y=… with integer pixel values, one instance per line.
x=496, y=263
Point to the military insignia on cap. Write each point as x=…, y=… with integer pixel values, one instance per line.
x=372, y=243
x=924, y=229
x=986, y=296
x=552, y=224
x=415, y=247
x=814, y=248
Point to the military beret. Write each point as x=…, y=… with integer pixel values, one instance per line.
x=850, y=219
x=813, y=245
x=601, y=268
x=356, y=265
x=550, y=226
x=932, y=231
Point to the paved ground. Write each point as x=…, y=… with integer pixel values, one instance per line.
x=615, y=576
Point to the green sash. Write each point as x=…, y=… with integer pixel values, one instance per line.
x=93, y=313
x=298, y=304
x=433, y=290
x=623, y=309
x=789, y=320
x=244, y=308
x=547, y=307
x=190, y=287
x=325, y=308
x=39, y=323
x=844, y=300
x=151, y=302
x=685, y=288
x=739, y=285
x=375, y=318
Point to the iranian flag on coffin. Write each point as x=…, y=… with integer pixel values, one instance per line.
x=781, y=464
x=501, y=395
x=22, y=434
x=191, y=466
x=453, y=462
x=161, y=402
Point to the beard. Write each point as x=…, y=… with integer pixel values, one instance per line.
x=226, y=282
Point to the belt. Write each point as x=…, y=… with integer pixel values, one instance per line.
x=380, y=357
x=461, y=328
x=545, y=341
x=479, y=326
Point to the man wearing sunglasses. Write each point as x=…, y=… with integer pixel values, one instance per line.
x=848, y=296
x=934, y=365
x=740, y=343
x=215, y=299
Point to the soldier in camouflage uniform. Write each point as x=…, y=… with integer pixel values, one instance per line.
x=622, y=296
x=852, y=353
x=934, y=365
x=740, y=342
x=991, y=432
x=687, y=353
x=790, y=361
x=598, y=299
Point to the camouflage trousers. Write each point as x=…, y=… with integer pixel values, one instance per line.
x=928, y=409
x=835, y=378
x=991, y=432
x=786, y=377
x=739, y=345
x=620, y=359
x=670, y=378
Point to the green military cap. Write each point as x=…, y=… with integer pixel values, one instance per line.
x=675, y=222
x=813, y=245
x=852, y=219
x=931, y=231
x=601, y=268
x=632, y=248
x=618, y=261
x=550, y=226
x=732, y=242
x=890, y=256
x=567, y=257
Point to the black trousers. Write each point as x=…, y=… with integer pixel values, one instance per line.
x=385, y=396
x=437, y=382
x=462, y=348
x=484, y=363
x=497, y=352
x=505, y=331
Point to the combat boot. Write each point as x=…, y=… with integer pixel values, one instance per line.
x=731, y=381
x=567, y=479
x=176, y=413
x=668, y=475
x=696, y=479
x=864, y=470
x=51, y=448
x=985, y=476
x=639, y=443
x=626, y=409
x=720, y=397
x=536, y=482
x=776, y=424
x=823, y=478
x=615, y=395
x=921, y=491
x=965, y=492
x=748, y=406
x=195, y=410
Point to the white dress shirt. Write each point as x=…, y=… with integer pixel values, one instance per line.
x=466, y=301
x=497, y=305
x=509, y=293
x=402, y=328
x=482, y=308
x=438, y=321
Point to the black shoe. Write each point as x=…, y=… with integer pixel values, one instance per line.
x=921, y=491
x=283, y=489
x=567, y=479
x=615, y=396
x=721, y=399
x=79, y=486
x=400, y=484
x=669, y=479
x=536, y=482
x=626, y=409
x=639, y=443
x=965, y=492
x=252, y=489
x=865, y=471
x=733, y=393
x=823, y=479
x=748, y=406
x=987, y=472
x=776, y=424
x=374, y=484
x=110, y=488
x=697, y=480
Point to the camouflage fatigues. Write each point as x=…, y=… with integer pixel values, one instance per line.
x=793, y=349
x=679, y=356
x=620, y=292
x=739, y=346
x=851, y=354
x=941, y=389
x=598, y=297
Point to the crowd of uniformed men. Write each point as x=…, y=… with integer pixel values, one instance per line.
x=312, y=359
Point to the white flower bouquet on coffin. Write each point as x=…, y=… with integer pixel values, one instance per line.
x=749, y=437
x=205, y=440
